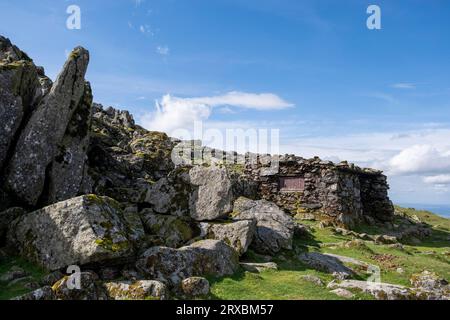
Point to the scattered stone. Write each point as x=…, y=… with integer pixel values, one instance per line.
x=207, y=257
x=259, y=267
x=195, y=287
x=79, y=231
x=238, y=235
x=430, y=286
x=325, y=263
x=385, y=239
x=139, y=290
x=343, y=293
x=313, y=279
x=274, y=228
x=381, y=291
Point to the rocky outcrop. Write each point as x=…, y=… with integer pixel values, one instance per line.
x=41, y=138
x=274, y=228
x=68, y=167
x=238, y=235
x=139, y=290
x=20, y=91
x=80, y=231
x=207, y=257
x=172, y=231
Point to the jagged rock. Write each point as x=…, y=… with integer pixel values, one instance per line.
x=79, y=231
x=90, y=288
x=6, y=218
x=39, y=140
x=67, y=169
x=325, y=263
x=207, y=257
x=258, y=267
x=44, y=293
x=213, y=195
x=139, y=290
x=173, y=231
x=194, y=287
x=20, y=91
x=274, y=230
x=430, y=286
x=238, y=235
x=381, y=291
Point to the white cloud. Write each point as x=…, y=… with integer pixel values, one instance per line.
x=442, y=179
x=180, y=113
x=174, y=113
x=421, y=159
x=403, y=85
x=261, y=101
x=163, y=50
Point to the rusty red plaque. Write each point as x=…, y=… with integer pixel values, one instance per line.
x=292, y=184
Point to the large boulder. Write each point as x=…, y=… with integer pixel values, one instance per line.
x=40, y=140
x=274, y=228
x=139, y=290
x=212, y=196
x=68, y=167
x=381, y=291
x=173, y=231
x=203, y=193
x=79, y=231
x=20, y=91
x=238, y=235
x=207, y=257
x=326, y=263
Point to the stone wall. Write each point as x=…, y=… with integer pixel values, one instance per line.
x=343, y=193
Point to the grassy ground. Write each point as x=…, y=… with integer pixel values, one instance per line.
x=10, y=291
x=286, y=283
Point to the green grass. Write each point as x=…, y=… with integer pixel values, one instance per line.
x=8, y=292
x=286, y=283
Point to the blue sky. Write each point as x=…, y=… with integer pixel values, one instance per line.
x=333, y=87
